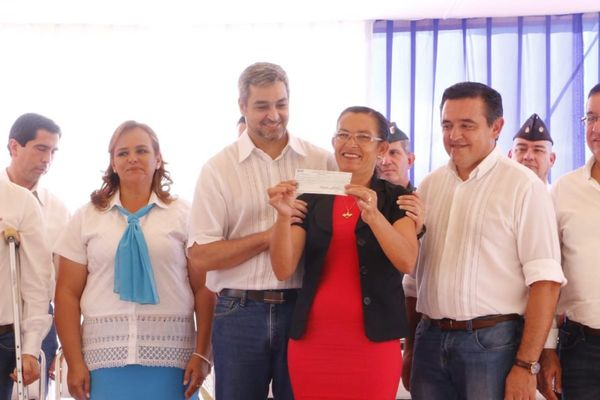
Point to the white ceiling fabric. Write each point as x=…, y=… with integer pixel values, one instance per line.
x=189, y=12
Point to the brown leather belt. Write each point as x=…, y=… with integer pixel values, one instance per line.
x=265, y=296
x=6, y=328
x=447, y=324
x=589, y=331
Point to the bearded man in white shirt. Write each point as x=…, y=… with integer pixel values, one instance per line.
x=532, y=147
x=230, y=230
x=32, y=143
x=488, y=276
x=576, y=198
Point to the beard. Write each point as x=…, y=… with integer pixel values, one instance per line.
x=270, y=132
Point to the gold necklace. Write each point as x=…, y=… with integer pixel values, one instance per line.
x=348, y=212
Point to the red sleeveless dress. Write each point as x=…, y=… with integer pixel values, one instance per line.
x=335, y=359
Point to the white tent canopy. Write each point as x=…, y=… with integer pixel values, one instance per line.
x=174, y=64
x=152, y=12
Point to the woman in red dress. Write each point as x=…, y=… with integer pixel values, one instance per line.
x=350, y=311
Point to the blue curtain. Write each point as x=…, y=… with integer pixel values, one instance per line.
x=543, y=64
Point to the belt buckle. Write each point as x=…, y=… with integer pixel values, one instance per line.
x=269, y=298
x=450, y=322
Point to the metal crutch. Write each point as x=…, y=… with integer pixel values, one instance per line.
x=11, y=236
x=43, y=377
x=58, y=373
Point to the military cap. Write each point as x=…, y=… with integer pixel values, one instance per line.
x=534, y=129
x=396, y=134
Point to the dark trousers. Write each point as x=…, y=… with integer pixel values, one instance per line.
x=7, y=364
x=580, y=362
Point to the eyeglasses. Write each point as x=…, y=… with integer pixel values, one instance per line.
x=590, y=120
x=359, y=138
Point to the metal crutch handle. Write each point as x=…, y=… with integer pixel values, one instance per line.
x=11, y=236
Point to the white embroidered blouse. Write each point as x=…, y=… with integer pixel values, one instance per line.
x=116, y=332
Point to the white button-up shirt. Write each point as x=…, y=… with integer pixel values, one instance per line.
x=117, y=332
x=21, y=211
x=231, y=202
x=576, y=198
x=55, y=215
x=487, y=239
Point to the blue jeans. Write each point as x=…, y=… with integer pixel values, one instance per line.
x=249, y=341
x=580, y=361
x=7, y=364
x=465, y=364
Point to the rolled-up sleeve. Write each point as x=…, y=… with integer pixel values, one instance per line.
x=543, y=270
x=208, y=212
x=537, y=237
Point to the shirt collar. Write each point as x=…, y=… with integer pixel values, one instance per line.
x=246, y=146
x=377, y=184
x=410, y=187
x=483, y=167
x=115, y=200
x=4, y=175
x=38, y=194
x=587, y=169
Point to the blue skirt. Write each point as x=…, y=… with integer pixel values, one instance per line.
x=137, y=382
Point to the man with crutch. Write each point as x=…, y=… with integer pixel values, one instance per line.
x=20, y=213
x=32, y=144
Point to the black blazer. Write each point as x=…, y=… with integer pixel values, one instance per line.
x=381, y=283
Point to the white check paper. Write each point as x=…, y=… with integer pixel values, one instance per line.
x=322, y=182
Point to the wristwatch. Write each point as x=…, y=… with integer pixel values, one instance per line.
x=532, y=366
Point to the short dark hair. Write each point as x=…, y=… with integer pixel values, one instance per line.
x=26, y=126
x=594, y=90
x=491, y=98
x=383, y=125
x=242, y=120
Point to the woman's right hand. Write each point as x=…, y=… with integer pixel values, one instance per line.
x=196, y=371
x=78, y=380
x=282, y=197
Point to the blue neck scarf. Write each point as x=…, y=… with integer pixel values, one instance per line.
x=134, y=279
